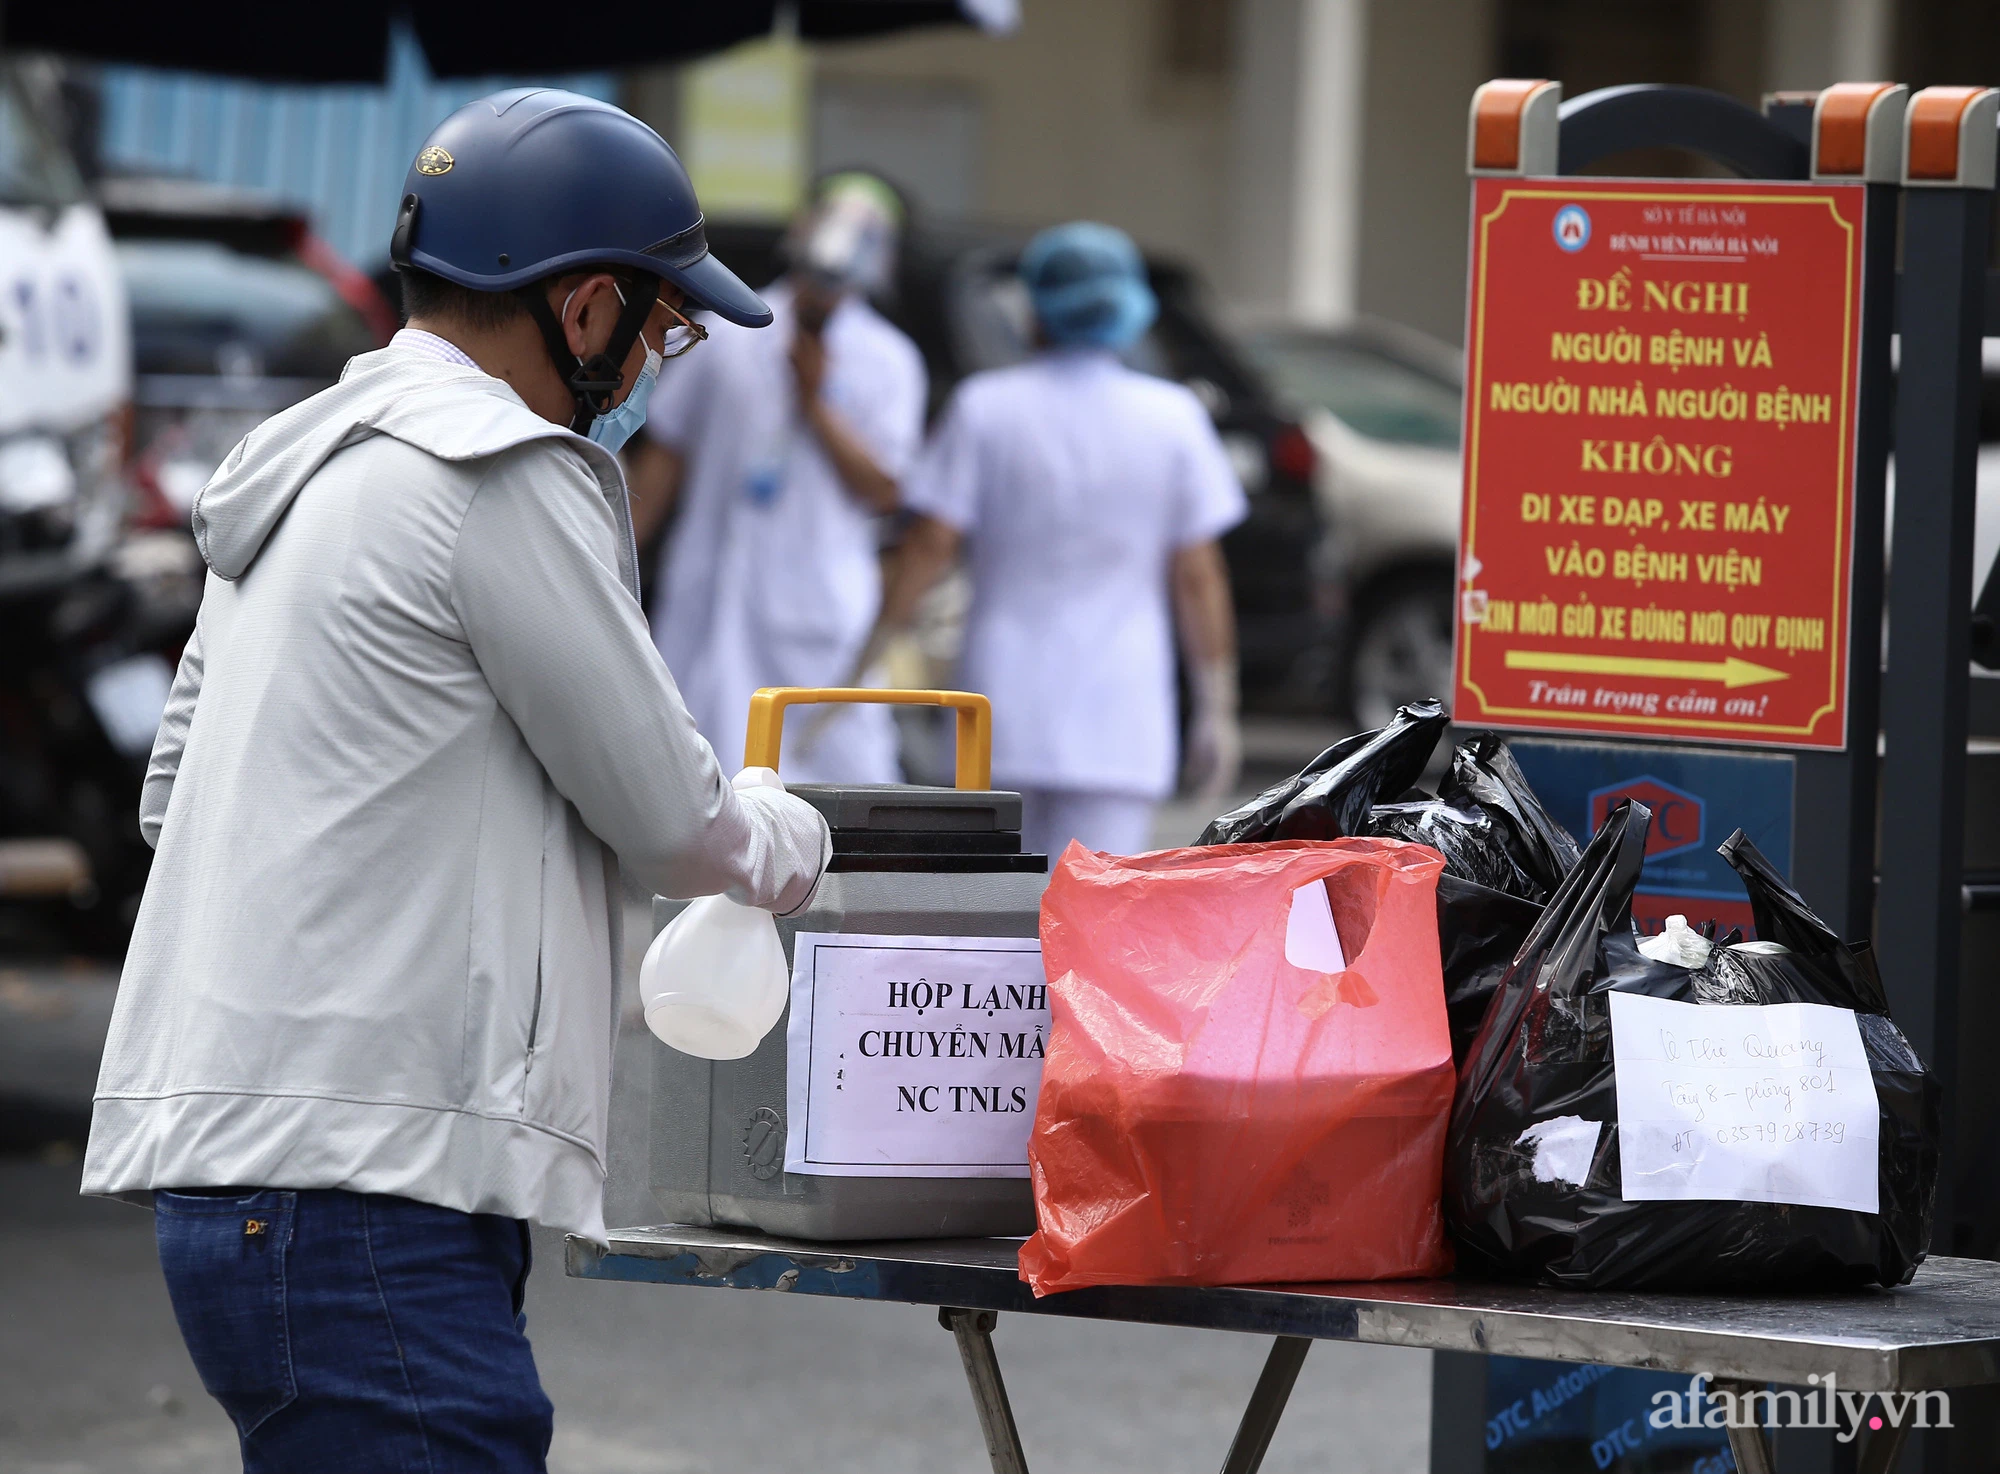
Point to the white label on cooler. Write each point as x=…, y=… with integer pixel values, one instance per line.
x=914, y=1056
x=1759, y=1103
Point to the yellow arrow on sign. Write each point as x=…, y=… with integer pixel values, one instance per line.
x=1731, y=672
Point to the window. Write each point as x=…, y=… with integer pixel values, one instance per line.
x=1373, y=394
x=34, y=170
x=199, y=307
x=1195, y=38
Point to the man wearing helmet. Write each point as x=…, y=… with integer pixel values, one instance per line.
x=363, y=1033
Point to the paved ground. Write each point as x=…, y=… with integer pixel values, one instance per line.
x=93, y=1379
x=657, y=1381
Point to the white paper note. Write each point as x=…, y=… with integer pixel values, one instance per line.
x=1564, y=1146
x=914, y=1056
x=1760, y=1103
x=1311, y=939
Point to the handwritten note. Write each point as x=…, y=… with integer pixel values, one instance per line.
x=914, y=1056
x=1759, y=1103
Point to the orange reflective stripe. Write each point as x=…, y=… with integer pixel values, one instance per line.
x=1843, y=125
x=1933, y=130
x=1496, y=126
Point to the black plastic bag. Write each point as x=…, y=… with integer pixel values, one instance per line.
x=1330, y=797
x=1487, y=823
x=1545, y=1052
x=1504, y=855
x=1479, y=931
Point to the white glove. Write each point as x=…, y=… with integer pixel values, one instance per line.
x=799, y=824
x=1215, y=739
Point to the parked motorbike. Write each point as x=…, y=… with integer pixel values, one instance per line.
x=91, y=625
x=235, y=311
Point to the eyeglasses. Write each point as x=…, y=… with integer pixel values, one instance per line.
x=682, y=331
x=681, y=335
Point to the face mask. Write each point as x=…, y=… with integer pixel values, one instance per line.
x=618, y=425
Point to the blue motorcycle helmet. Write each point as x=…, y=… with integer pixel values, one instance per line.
x=534, y=182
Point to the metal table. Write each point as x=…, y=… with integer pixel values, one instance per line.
x=1940, y=1332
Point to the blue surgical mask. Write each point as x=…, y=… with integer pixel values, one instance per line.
x=618, y=425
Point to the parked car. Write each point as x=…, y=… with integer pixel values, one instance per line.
x=238, y=311
x=958, y=298
x=1385, y=416
x=1383, y=408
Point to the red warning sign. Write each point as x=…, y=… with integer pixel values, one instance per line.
x=1659, y=458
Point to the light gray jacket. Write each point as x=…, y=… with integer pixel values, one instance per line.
x=419, y=724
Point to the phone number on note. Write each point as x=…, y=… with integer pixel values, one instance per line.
x=1772, y=1133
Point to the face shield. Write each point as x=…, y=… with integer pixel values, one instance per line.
x=847, y=242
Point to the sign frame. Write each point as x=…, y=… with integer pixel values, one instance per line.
x=1730, y=668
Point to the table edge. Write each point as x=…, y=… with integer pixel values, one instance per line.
x=864, y=1272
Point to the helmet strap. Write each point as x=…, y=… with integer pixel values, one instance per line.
x=593, y=382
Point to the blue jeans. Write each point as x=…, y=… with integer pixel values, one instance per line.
x=358, y=1334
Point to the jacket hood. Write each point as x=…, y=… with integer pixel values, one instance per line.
x=444, y=409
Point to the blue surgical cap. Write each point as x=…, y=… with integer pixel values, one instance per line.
x=1088, y=286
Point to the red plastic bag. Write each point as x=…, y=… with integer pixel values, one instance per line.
x=1214, y=1113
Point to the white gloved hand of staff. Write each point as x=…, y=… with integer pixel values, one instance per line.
x=1214, y=737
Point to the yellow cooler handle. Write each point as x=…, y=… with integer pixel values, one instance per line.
x=975, y=723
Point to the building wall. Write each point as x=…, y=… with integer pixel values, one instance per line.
x=1097, y=108
x=1079, y=114
x=1941, y=42
x=1425, y=57
x=337, y=152
x=1204, y=127
x=1298, y=127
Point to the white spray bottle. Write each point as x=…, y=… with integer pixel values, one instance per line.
x=714, y=981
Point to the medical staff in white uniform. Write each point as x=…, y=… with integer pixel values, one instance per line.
x=784, y=449
x=1087, y=498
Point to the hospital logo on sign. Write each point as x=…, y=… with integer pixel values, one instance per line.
x=1677, y=814
x=1572, y=227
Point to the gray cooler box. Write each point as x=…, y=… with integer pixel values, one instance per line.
x=907, y=862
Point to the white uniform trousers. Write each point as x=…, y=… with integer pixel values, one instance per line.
x=1116, y=823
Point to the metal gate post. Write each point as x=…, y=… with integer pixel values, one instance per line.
x=1948, y=172
x=1856, y=136
x=1948, y=179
